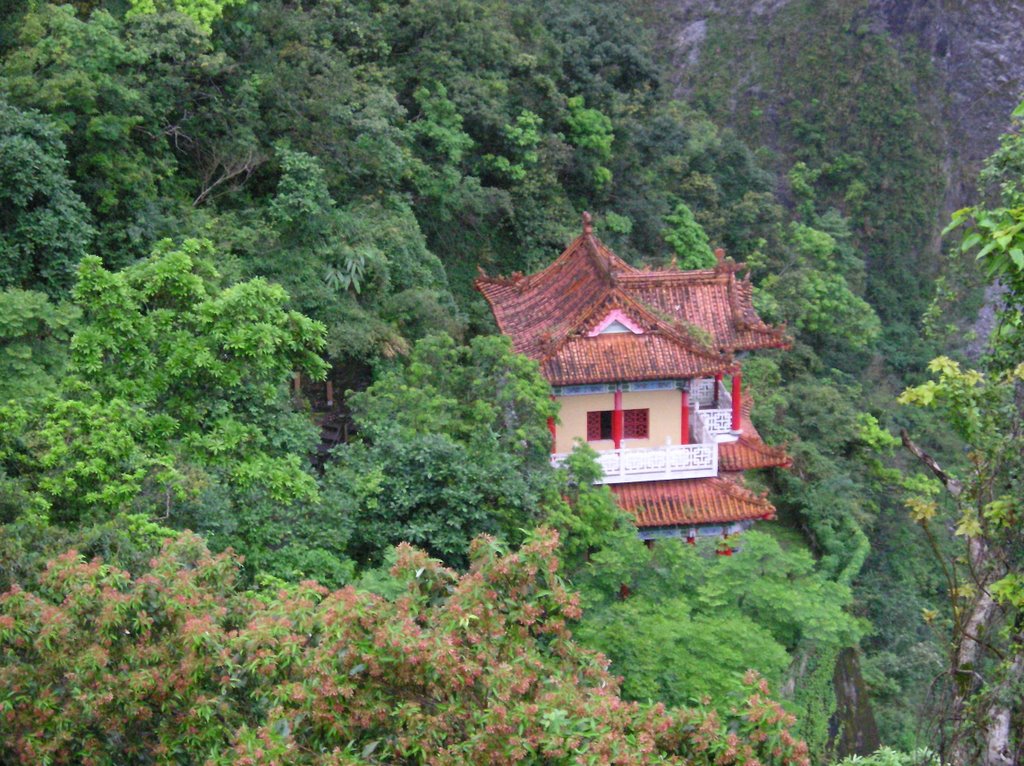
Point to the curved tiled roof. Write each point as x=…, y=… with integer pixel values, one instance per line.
x=749, y=451
x=712, y=299
x=651, y=356
x=692, y=321
x=680, y=502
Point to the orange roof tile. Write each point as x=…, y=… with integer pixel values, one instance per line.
x=749, y=451
x=624, y=356
x=680, y=502
x=711, y=299
x=692, y=322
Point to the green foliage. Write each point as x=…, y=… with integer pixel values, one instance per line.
x=886, y=756
x=363, y=269
x=996, y=233
x=983, y=583
x=865, y=141
x=174, y=406
x=86, y=461
x=308, y=220
x=427, y=489
x=523, y=137
x=843, y=495
x=984, y=411
x=688, y=240
x=814, y=295
x=693, y=623
x=34, y=334
x=182, y=663
x=441, y=146
x=873, y=435
x=827, y=490
x=592, y=134
x=44, y=226
x=127, y=541
x=78, y=72
x=801, y=183
x=150, y=328
x=455, y=443
x=203, y=12
x=585, y=514
x=369, y=158
x=440, y=126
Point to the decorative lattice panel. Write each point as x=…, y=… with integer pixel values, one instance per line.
x=636, y=424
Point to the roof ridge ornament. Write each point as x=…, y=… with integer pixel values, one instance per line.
x=588, y=224
x=724, y=265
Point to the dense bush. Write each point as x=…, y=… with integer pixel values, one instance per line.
x=180, y=664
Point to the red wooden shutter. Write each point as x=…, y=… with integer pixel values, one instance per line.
x=594, y=426
x=636, y=424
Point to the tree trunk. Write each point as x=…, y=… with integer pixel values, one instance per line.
x=968, y=643
x=972, y=630
x=999, y=716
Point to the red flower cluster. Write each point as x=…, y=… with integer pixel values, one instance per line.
x=182, y=665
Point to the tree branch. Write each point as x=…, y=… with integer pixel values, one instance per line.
x=953, y=486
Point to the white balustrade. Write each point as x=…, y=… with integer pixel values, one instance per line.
x=716, y=425
x=673, y=461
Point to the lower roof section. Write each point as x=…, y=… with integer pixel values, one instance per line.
x=691, y=501
x=749, y=451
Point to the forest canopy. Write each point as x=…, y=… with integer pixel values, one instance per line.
x=273, y=488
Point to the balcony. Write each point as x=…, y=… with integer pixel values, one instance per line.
x=711, y=421
x=710, y=426
x=673, y=461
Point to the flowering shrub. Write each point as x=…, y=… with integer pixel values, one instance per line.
x=181, y=665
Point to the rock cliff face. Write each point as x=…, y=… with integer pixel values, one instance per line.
x=894, y=105
x=975, y=50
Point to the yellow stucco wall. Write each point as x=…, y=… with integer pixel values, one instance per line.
x=573, y=417
x=664, y=418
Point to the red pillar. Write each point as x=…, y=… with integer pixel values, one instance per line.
x=617, y=421
x=736, y=392
x=684, y=417
x=724, y=548
x=718, y=389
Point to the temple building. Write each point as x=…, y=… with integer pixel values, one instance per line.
x=646, y=367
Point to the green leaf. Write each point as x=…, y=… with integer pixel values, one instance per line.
x=957, y=219
x=969, y=527
x=970, y=241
